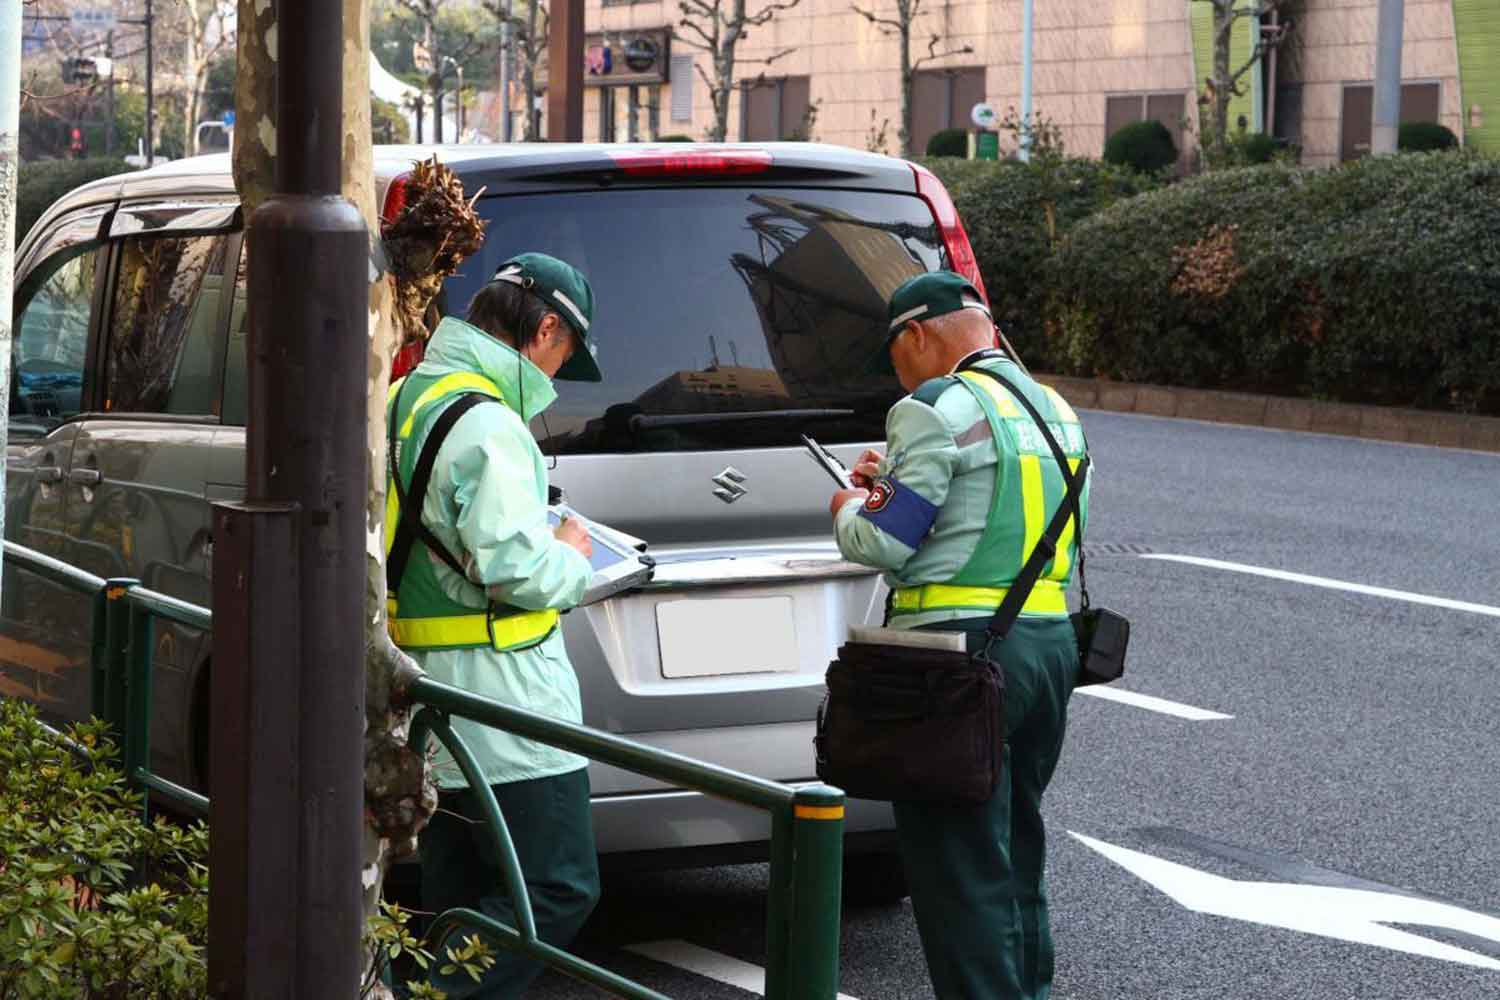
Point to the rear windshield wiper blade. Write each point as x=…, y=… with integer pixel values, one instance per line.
x=643, y=421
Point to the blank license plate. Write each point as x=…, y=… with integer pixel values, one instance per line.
x=743, y=635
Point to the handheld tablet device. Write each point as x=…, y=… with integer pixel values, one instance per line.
x=619, y=560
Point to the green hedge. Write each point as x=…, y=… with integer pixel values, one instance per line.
x=1423, y=137
x=44, y=181
x=1146, y=146
x=1378, y=281
x=1015, y=213
x=949, y=142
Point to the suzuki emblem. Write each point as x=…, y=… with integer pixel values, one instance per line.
x=729, y=482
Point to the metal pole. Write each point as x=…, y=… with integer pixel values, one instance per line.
x=303, y=522
x=817, y=887
x=109, y=96
x=10, y=126
x=1027, y=24
x=150, y=92
x=1387, y=113
x=565, y=75
x=505, y=124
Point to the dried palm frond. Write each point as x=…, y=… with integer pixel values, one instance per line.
x=432, y=233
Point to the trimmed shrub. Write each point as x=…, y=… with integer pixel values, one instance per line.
x=1257, y=148
x=675, y=137
x=1424, y=137
x=44, y=181
x=949, y=142
x=1015, y=213
x=1144, y=146
x=1375, y=282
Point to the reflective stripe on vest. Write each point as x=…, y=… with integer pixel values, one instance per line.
x=512, y=628
x=470, y=631
x=1047, y=598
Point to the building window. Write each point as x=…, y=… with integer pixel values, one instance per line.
x=772, y=110
x=943, y=98
x=1286, y=121
x=682, y=88
x=1125, y=109
x=1420, y=102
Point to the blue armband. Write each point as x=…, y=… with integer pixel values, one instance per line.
x=899, y=511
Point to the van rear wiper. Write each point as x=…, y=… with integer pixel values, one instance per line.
x=642, y=421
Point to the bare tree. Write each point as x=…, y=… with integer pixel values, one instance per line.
x=900, y=24
x=427, y=14
x=1227, y=82
x=204, y=30
x=528, y=39
x=717, y=27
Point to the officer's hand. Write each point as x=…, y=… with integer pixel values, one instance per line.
x=844, y=496
x=867, y=469
x=572, y=532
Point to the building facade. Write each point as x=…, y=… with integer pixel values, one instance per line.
x=822, y=70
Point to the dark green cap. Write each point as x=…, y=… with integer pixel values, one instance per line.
x=926, y=296
x=566, y=291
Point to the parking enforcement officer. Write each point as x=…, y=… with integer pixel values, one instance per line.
x=951, y=513
x=477, y=586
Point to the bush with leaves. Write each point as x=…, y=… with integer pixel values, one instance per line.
x=949, y=142
x=1016, y=214
x=94, y=902
x=1145, y=146
x=1424, y=137
x=1375, y=282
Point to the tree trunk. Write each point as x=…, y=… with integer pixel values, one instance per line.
x=1223, y=43
x=528, y=72
x=907, y=79
x=255, y=104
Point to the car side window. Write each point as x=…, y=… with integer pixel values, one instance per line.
x=237, y=359
x=165, y=344
x=51, y=340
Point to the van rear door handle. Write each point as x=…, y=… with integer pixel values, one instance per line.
x=84, y=477
x=48, y=474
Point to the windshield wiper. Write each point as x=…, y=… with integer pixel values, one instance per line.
x=642, y=421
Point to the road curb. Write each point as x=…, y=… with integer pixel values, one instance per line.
x=1376, y=423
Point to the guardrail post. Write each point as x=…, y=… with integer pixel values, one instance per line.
x=98, y=654
x=817, y=888
x=116, y=653
x=137, y=755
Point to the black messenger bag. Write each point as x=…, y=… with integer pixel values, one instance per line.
x=910, y=724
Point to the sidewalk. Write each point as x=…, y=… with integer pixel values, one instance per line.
x=1380, y=423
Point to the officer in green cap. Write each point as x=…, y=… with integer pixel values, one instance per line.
x=951, y=513
x=476, y=580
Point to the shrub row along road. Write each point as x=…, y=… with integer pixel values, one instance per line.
x=1306, y=809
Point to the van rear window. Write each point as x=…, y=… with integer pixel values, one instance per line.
x=725, y=317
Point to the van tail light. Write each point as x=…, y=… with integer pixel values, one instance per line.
x=950, y=226
x=711, y=160
x=395, y=200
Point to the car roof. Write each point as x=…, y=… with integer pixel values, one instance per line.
x=807, y=163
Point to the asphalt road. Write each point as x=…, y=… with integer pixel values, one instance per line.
x=1296, y=848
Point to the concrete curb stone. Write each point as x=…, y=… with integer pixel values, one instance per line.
x=1379, y=423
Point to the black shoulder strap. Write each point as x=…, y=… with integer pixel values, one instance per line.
x=1046, y=546
x=410, y=527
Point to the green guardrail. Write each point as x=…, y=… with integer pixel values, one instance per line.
x=807, y=823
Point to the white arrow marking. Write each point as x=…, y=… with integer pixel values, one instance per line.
x=708, y=964
x=1151, y=704
x=1323, y=581
x=1356, y=915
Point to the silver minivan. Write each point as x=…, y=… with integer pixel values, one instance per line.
x=739, y=297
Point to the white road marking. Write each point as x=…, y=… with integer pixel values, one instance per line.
x=1321, y=581
x=1150, y=703
x=1357, y=915
x=709, y=964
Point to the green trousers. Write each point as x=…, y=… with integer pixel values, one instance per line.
x=976, y=872
x=550, y=825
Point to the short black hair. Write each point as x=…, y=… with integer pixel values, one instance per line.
x=503, y=309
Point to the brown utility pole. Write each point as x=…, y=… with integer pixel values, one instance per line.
x=288, y=676
x=565, y=72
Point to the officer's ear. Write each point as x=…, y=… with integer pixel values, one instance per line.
x=916, y=336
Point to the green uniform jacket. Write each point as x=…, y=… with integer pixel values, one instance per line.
x=943, y=478
x=487, y=504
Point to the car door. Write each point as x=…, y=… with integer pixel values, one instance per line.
x=44, y=628
x=136, y=480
